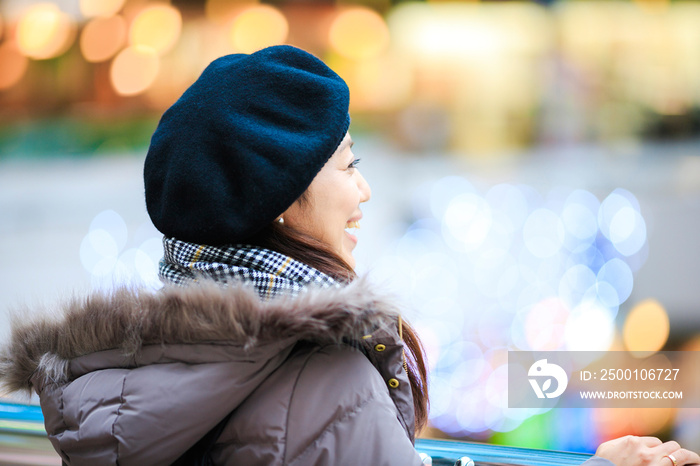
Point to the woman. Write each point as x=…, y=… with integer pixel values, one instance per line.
x=252, y=180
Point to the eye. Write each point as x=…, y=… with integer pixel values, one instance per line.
x=354, y=163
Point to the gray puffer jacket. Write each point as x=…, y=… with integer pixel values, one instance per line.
x=137, y=378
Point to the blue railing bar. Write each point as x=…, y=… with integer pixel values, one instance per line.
x=20, y=412
x=452, y=450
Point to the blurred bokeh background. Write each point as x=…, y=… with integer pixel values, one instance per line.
x=535, y=170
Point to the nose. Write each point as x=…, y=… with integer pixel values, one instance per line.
x=363, y=186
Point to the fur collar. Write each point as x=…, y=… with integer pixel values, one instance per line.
x=128, y=319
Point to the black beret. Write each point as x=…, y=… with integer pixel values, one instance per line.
x=243, y=143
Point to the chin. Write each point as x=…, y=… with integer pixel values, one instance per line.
x=349, y=259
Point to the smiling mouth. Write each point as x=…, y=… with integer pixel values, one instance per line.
x=353, y=227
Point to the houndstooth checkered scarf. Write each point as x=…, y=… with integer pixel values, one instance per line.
x=271, y=273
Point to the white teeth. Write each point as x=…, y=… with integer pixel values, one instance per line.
x=353, y=224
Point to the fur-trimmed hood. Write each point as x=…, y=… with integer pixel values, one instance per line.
x=41, y=349
x=137, y=377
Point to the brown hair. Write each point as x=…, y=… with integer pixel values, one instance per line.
x=320, y=256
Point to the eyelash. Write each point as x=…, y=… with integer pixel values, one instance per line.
x=354, y=163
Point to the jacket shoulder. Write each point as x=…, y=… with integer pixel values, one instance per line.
x=326, y=405
x=341, y=412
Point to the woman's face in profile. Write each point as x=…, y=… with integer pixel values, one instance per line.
x=333, y=203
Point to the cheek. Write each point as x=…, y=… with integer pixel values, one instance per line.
x=299, y=218
x=333, y=203
x=349, y=199
x=314, y=221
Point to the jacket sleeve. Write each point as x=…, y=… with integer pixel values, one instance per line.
x=341, y=413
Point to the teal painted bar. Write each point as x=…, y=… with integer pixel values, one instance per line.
x=21, y=412
x=19, y=418
x=446, y=452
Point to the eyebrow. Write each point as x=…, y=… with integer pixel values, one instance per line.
x=347, y=144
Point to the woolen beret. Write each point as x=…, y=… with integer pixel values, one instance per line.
x=243, y=143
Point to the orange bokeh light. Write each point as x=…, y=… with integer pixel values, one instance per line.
x=157, y=27
x=359, y=34
x=258, y=27
x=646, y=327
x=380, y=84
x=134, y=70
x=221, y=12
x=44, y=31
x=100, y=8
x=12, y=65
x=102, y=38
x=639, y=421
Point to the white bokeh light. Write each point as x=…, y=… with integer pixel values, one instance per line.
x=440, y=395
x=468, y=220
x=590, y=327
x=619, y=200
x=575, y=282
x=102, y=253
x=606, y=294
x=580, y=222
x=444, y=191
x=619, y=275
x=543, y=233
x=113, y=223
x=97, y=246
x=509, y=201
x=627, y=231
